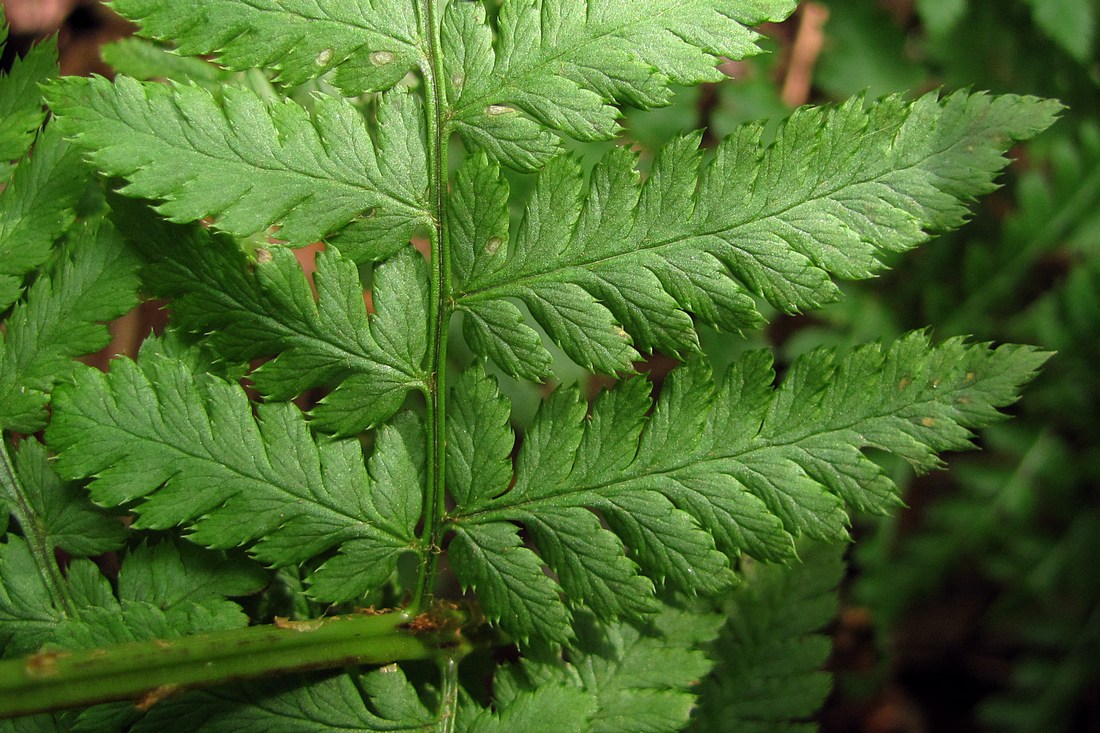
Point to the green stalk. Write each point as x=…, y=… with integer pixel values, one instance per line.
x=148, y=670
x=33, y=533
x=448, y=704
x=436, y=423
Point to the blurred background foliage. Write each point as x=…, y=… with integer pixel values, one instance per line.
x=978, y=607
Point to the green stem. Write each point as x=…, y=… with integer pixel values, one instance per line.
x=34, y=534
x=55, y=680
x=436, y=423
x=448, y=704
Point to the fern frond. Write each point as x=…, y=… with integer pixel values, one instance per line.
x=263, y=308
x=770, y=676
x=165, y=591
x=21, y=109
x=550, y=709
x=573, y=538
x=249, y=163
x=186, y=448
x=704, y=474
x=398, y=327
x=371, y=44
x=61, y=510
x=616, y=678
x=95, y=281
x=147, y=61
x=36, y=207
x=299, y=705
x=566, y=64
x=27, y=614
x=625, y=265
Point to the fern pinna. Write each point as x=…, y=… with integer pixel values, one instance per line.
x=604, y=537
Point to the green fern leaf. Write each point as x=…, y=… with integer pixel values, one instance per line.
x=27, y=614
x=398, y=328
x=298, y=706
x=509, y=581
x=397, y=470
x=147, y=61
x=569, y=536
x=164, y=592
x=567, y=63
x=168, y=574
x=248, y=163
x=550, y=709
x=772, y=650
x=479, y=223
x=59, y=319
x=707, y=472
x=21, y=109
x=36, y=207
x=622, y=678
x=257, y=309
x=478, y=461
x=371, y=44
x=66, y=518
x=186, y=447
x=623, y=266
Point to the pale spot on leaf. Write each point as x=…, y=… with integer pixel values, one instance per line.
x=381, y=58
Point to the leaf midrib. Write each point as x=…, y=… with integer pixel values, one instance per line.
x=491, y=513
x=357, y=362
x=493, y=290
x=181, y=449
x=327, y=18
x=253, y=163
